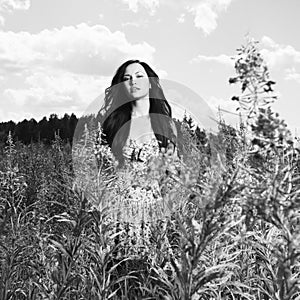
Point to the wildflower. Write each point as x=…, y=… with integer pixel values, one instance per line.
x=197, y=226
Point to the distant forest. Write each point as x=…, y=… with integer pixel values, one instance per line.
x=69, y=127
x=28, y=131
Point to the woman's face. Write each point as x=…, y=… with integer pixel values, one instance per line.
x=136, y=81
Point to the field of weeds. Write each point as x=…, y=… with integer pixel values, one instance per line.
x=234, y=232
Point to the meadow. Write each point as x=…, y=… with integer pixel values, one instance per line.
x=233, y=231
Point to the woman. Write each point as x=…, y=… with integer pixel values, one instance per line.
x=137, y=125
x=136, y=110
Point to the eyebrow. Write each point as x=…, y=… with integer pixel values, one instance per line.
x=135, y=73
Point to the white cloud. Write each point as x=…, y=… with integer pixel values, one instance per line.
x=277, y=55
x=205, y=17
x=162, y=74
x=47, y=91
x=181, y=18
x=221, y=59
x=10, y=5
x=79, y=49
x=134, y=24
x=292, y=74
x=8, y=116
x=207, y=12
x=151, y=5
x=14, y=4
x=61, y=70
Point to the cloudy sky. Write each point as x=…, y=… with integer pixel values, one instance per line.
x=57, y=56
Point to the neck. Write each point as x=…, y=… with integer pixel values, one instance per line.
x=141, y=107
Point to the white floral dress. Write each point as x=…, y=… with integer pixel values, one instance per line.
x=135, y=199
x=138, y=191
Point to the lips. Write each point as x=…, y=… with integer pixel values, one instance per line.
x=134, y=89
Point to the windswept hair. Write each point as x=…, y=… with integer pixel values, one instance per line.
x=117, y=110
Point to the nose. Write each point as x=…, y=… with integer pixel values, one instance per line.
x=132, y=80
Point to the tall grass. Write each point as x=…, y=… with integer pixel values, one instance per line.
x=232, y=231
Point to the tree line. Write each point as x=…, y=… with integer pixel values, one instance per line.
x=30, y=131
x=69, y=127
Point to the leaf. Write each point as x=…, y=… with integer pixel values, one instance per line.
x=60, y=246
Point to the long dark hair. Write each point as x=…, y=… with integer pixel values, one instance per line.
x=118, y=109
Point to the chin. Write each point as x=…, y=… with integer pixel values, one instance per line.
x=136, y=97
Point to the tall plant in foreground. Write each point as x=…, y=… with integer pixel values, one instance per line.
x=13, y=229
x=271, y=200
